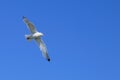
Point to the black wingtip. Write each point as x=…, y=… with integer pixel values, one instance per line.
x=24, y=17
x=48, y=60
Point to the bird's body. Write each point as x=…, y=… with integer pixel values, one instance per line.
x=37, y=36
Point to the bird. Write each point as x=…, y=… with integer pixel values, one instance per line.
x=37, y=36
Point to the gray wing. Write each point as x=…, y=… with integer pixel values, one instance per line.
x=29, y=25
x=42, y=48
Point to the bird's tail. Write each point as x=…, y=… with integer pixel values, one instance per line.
x=28, y=37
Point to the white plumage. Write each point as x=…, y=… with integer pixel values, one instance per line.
x=37, y=36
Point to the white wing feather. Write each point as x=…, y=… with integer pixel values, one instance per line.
x=38, y=39
x=29, y=25
x=43, y=48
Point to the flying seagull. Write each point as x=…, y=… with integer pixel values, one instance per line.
x=37, y=36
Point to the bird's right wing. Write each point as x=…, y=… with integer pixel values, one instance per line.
x=43, y=48
x=29, y=25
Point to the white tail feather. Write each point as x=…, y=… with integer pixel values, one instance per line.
x=28, y=37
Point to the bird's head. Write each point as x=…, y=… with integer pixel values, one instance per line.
x=41, y=34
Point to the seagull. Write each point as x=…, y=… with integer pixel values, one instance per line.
x=37, y=37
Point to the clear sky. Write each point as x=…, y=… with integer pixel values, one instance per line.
x=82, y=37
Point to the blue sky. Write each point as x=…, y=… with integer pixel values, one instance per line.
x=82, y=37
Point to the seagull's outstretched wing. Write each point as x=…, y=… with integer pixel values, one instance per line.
x=43, y=48
x=29, y=25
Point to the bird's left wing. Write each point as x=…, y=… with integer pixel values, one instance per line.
x=29, y=25
x=43, y=48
